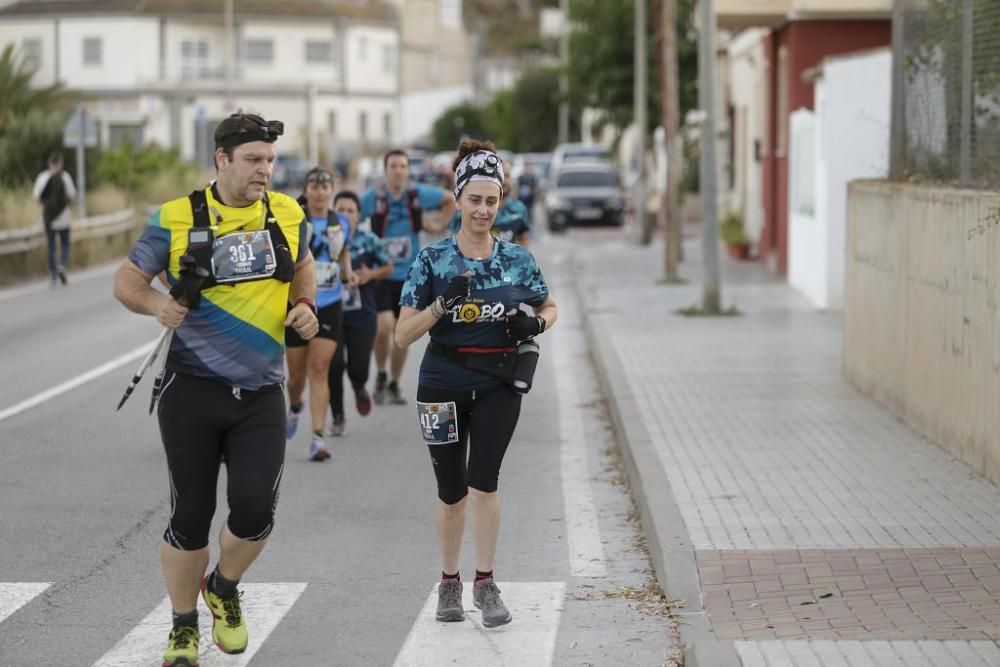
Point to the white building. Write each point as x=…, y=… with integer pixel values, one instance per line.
x=169, y=71
x=844, y=139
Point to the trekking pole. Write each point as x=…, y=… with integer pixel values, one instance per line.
x=195, y=276
x=150, y=357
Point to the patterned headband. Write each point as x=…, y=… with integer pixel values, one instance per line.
x=478, y=166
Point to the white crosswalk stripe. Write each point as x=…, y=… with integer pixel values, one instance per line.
x=14, y=595
x=264, y=605
x=528, y=641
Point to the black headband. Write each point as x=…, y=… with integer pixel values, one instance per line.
x=478, y=166
x=262, y=130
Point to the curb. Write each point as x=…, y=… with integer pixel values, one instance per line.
x=670, y=548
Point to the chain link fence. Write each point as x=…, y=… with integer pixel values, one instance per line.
x=946, y=91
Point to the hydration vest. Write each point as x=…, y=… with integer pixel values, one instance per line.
x=284, y=270
x=381, y=214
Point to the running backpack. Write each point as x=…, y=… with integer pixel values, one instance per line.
x=381, y=214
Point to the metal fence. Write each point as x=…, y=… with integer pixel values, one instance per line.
x=946, y=91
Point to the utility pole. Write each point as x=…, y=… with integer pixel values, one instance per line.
x=564, y=74
x=711, y=298
x=670, y=108
x=229, y=63
x=639, y=89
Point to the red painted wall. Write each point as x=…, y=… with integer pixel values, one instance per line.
x=807, y=43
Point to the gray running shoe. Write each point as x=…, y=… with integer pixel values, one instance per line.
x=379, y=394
x=450, y=601
x=395, y=397
x=486, y=596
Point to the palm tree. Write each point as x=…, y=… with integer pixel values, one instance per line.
x=17, y=97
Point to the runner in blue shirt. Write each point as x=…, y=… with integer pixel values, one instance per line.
x=512, y=222
x=397, y=211
x=371, y=263
x=466, y=291
x=329, y=238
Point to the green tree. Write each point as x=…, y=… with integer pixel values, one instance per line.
x=461, y=120
x=31, y=121
x=601, y=67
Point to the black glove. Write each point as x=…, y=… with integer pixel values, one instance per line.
x=457, y=292
x=521, y=326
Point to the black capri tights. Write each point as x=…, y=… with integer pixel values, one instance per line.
x=203, y=423
x=486, y=422
x=356, y=345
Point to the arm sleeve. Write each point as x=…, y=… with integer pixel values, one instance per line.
x=417, y=288
x=430, y=197
x=534, y=282
x=151, y=252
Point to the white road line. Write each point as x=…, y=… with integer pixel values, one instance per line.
x=14, y=595
x=73, y=383
x=528, y=641
x=583, y=535
x=263, y=605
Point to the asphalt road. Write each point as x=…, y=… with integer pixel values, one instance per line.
x=84, y=501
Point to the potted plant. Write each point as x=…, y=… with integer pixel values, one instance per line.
x=731, y=229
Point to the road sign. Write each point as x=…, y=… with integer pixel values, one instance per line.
x=71, y=132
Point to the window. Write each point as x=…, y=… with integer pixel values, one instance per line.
x=450, y=12
x=387, y=126
x=331, y=124
x=260, y=51
x=92, y=51
x=195, y=59
x=588, y=179
x=363, y=125
x=388, y=58
x=362, y=48
x=319, y=53
x=31, y=51
x=119, y=135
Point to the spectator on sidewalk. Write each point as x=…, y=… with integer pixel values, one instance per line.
x=55, y=191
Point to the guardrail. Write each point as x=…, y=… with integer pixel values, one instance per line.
x=26, y=239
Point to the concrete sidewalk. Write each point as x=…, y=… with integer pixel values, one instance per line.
x=799, y=522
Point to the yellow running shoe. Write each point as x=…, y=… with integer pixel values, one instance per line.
x=229, y=630
x=182, y=647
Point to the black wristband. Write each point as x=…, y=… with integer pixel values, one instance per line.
x=541, y=323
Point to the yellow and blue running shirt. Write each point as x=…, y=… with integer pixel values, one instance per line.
x=237, y=334
x=506, y=279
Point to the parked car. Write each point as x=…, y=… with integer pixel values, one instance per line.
x=565, y=153
x=585, y=193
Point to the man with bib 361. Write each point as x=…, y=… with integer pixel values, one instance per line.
x=222, y=398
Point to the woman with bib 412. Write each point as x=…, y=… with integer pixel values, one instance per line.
x=467, y=291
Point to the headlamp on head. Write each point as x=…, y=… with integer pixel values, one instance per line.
x=319, y=176
x=481, y=165
x=257, y=130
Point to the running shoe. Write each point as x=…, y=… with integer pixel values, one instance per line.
x=292, y=423
x=62, y=275
x=317, y=449
x=182, y=647
x=395, y=397
x=379, y=395
x=338, y=429
x=229, y=629
x=450, y=601
x=486, y=596
x=362, y=401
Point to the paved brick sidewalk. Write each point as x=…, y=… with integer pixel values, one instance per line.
x=823, y=530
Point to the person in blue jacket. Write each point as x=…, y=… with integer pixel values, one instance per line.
x=370, y=263
x=398, y=213
x=467, y=291
x=329, y=238
x=513, y=222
